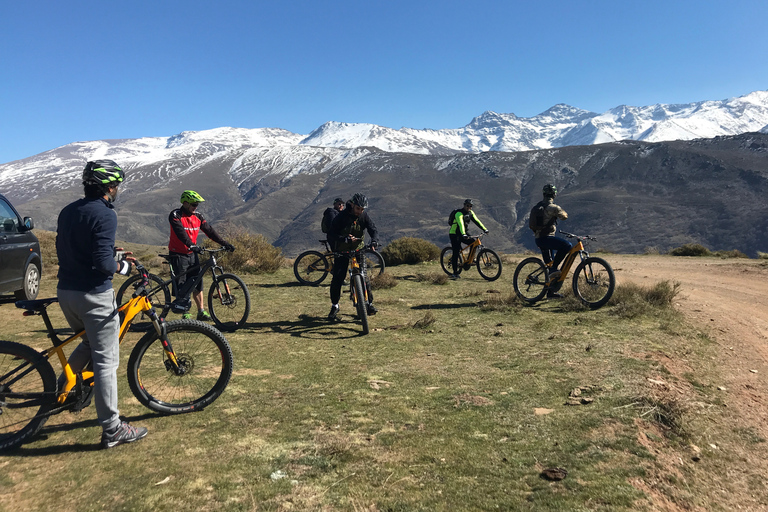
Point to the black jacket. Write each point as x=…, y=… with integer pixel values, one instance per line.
x=346, y=224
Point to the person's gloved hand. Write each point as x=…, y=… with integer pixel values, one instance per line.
x=195, y=249
x=374, y=245
x=229, y=247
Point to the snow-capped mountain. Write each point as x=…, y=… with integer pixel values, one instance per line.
x=265, y=179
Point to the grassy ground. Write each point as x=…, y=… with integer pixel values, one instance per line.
x=462, y=412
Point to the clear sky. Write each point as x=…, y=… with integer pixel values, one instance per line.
x=88, y=70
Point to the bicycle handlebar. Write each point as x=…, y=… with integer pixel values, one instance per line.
x=354, y=251
x=578, y=237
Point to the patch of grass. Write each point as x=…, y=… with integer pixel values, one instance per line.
x=735, y=253
x=454, y=401
x=762, y=255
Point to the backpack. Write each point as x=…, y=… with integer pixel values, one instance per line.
x=325, y=224
x=452, y=216
x=536, y=222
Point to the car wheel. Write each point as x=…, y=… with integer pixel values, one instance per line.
x=31, y=283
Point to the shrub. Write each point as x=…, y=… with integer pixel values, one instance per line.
x=631, y=300
x=383, y=281
x=735, y=253
x=762, y=255
x=433, y=278
x=409, y=250
x=427, y=320
x=690, y=250
x=252, y=253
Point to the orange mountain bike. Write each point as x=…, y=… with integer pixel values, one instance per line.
x=179, y=366
x=488, y=262
x=593, y=280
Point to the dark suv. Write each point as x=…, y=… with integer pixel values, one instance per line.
x=20, y=263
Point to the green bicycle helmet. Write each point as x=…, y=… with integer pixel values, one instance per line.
x=102, y=172
x=360, y=200
x=190, y=196
x=549, y=190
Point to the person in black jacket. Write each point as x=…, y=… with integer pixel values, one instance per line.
x=348, y=234
x=85, y=245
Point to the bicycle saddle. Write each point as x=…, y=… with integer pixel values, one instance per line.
x=37, y=304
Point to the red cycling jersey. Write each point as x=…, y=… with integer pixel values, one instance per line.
x=185, y=228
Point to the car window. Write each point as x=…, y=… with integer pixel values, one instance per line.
x=9, y=222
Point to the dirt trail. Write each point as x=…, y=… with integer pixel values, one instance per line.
x=729, y=299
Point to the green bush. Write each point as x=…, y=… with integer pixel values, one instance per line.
x=252, y=253
x=735, y=253
x=690, y=250
x=409, y=250
x=383, y=281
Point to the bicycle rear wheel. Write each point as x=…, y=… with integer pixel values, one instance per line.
x=530, y=278
x=205, y=367
x=489, y=264
x=158, y=293
x=374, y=263
x=361, y=305
x=445, y=261
x=594, y=282
x=27, y=393
x=229, y=302
x=311, y=268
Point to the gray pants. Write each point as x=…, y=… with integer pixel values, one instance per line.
x=97, y=314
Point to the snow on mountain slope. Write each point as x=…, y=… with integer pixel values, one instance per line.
x=272, y=150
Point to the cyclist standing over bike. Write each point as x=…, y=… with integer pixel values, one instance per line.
x=543, y=223
x=328, y=215
x=347, y=233
x=85, y=246
x=458, y=233
x=186, y=223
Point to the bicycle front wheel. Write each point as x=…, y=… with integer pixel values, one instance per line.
x=530, y=278
x=311, y=268
x=594, y=282
x=204, y=368
x=27, y=393
x=361, y=304
x=374, y=263
x=229, y=302
x=445, y=261
x=489, y=264
x=157, y=292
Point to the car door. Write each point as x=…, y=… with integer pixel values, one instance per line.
x=14, y=249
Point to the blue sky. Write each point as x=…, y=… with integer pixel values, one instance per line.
x=88, y=70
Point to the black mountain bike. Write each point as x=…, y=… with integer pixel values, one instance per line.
x=229, y=301
x=312, y=267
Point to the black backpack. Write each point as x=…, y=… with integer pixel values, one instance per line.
x=452, y=216
x=536, y=222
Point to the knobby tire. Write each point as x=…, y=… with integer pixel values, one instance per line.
x=594, y=282
x=445, y=261
x=229, y=302
x=360, y=303
x=204, y=357
x=22, y=418
x=529, y=280
x=489, y=264
x=311, y=268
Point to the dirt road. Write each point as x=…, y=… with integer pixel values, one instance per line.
x=729, y=299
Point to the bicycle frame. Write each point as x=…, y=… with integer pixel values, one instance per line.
x=579, y=250
x=355, y=267
x=134, y=307
x=471, y=250
x=186, y=289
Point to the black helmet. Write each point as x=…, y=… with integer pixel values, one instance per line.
x=468, y=202
x=360, y=200
x=549, y=190
x=338, y=200
x=102, y=172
